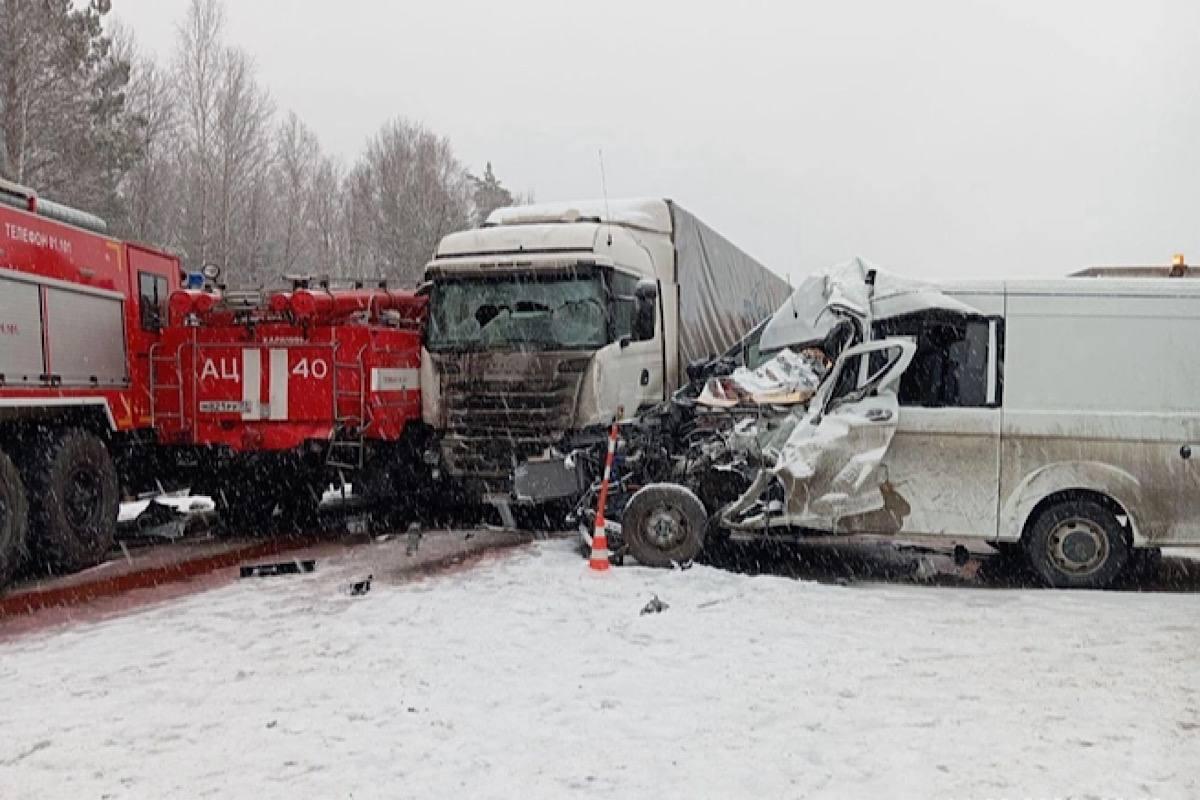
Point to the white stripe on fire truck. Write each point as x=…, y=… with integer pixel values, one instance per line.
x=251, y=383
x=391, y=379
x=278, y=388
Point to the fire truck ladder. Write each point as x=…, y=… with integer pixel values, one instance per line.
x=351, y=413
x=174, y=363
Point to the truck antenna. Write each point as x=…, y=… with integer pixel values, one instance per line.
x=604, y=190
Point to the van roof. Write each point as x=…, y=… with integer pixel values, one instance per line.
x=1100, y=287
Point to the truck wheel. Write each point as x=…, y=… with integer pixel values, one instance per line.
x=245, y=509
x=300, y=506
x=14, y=516
x=664, y=525
x=1077, y=544
x=74, y=495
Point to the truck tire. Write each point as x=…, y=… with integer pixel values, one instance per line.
x=14, y=519
x=73, y=500
x=245, y=509
x=664, y=524
x=1077, y=544
x=300, y=505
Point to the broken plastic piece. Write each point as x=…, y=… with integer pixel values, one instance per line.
x=282, y=568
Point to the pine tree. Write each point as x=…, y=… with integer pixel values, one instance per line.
x=487, y=194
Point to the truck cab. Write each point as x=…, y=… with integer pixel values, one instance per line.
x=538, y=328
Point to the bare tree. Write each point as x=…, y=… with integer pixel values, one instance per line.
x=244, y=115
x=196, y=72
x=297, y=160
x=225, y=125
x=149, y=191
x=405, y=193
x=190, y=156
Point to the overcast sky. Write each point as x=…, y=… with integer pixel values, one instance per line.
x=959, y=138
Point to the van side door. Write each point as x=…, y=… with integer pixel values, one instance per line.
x=944, y=463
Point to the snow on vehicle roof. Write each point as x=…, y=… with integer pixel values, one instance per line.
x=645, y=213
x=825, y=297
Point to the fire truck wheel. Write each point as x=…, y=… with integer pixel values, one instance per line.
x=246, y=509
x=14, y=515
x=299, y=506
x=664, y=524
x=74, y=496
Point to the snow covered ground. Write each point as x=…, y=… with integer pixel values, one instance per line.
x=529, y=677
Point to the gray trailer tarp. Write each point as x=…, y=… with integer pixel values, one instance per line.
x=723, y=291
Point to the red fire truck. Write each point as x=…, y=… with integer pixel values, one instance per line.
x=80, y=313
x=264, y=399
x=114, y=375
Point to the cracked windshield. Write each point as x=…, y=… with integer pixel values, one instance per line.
x=551, y=312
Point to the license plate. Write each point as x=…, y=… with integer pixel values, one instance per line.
x=224, y=407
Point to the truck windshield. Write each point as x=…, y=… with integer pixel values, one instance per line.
x=548, y=312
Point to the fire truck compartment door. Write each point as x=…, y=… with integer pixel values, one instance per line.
x=86, y=334
x=21, y=356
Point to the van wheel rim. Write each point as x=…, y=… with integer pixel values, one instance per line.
x=666, y=528
x=1077, y=546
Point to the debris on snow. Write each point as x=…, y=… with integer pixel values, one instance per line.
x=414, y=539
x=296, y=567
x=655, y=606
x=359, y=588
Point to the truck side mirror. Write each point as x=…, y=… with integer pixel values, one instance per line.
x=645, y=310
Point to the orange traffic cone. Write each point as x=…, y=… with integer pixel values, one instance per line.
x=599, y=558
x=598, y=561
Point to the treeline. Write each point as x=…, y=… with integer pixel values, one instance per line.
x=194, y=155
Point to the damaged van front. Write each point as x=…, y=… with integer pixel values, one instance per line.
x=1053, y=419
x=805, y=439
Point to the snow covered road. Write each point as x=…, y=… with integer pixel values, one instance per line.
x=529, y=677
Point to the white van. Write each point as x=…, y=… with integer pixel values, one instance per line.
x=1063, y=415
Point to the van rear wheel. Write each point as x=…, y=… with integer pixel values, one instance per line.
x=1077, y=544
x=14, y=515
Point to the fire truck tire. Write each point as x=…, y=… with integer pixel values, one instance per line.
x=246, y=509
x=14, y=517
x=74, y=496
x=299, y=506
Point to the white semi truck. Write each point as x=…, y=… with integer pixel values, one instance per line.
x=549, y=318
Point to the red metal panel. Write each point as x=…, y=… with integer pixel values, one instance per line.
x=55, y=254
x=275, y=384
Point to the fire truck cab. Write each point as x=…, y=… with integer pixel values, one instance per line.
x=80, y=314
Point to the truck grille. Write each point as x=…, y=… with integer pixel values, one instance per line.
x=494, y=423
